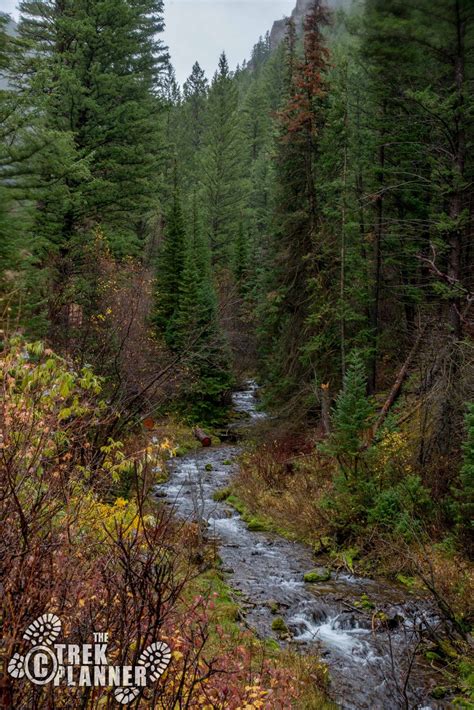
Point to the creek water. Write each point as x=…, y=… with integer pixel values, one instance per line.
x=369, y=667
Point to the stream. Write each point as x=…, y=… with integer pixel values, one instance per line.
x=368, y=667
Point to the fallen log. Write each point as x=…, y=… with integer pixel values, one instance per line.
x=396, y=389
x=201, y=436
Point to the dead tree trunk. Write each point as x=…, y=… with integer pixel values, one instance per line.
x=395, y=391
x=201, y=436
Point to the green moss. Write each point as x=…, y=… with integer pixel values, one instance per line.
x=227, y=462
x=274, y=606
x=256, y=525
x=237, y=504
x=364, y=603
x=448, y=650
x=227, y=611
x=439, y=692
x=433, y=656
x=279, y=626
x=322, y=545
x=208, y=467
x=317, y=576
x=466, y=675
x=221, y=494
x=272, y=646
x=408, y=582
x=162, y=477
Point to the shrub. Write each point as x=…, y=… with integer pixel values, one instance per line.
x=401, y=508
x=101, y=563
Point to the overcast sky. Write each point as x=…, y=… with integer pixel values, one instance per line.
x=201, y=29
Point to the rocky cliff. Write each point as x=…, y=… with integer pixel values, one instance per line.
x=302, y=6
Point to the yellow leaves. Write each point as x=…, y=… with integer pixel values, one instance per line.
x=101, y=317
x=166, y=445
x=96, y=518
x=255, y=695
x=393, y=449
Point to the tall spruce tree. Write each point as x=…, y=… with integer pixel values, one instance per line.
x=91, y=70
x=170, y=268
x=193, y=118
x=221, y=165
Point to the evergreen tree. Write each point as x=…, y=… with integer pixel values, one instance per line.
x=300, y=263
x=195, y=91
x=170, y=268
x=90, y=70
x=241, y=255
x=192, y=326
x=221, y=165
x=352, y=416
x=465, y=496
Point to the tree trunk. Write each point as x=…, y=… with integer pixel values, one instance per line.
x=377, y=256
x=201, y=436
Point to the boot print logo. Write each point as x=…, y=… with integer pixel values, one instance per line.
x=85, y=665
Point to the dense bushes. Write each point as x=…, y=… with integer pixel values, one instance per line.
x=69, y=546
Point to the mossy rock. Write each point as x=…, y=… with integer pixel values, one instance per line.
x=255, y=525
x=439, y=692
x=273, y=605
x=364, y=603
x=221, y=494
x=237, y=504
x=208, y=467
x=317, y=575
x=279, y=626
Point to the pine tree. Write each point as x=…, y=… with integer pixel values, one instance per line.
x=396, y=175
x=300, y=255
x=170, y=268
x=420, y=188
x=241, y=259
x=195, y=91
x=90, y=56
x=353, y=414
x=90, y=70
x=221, y=165
x=195, y=331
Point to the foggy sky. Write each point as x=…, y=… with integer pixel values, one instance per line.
x=202, y=29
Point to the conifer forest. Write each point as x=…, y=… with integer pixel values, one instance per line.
x=237, y=361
